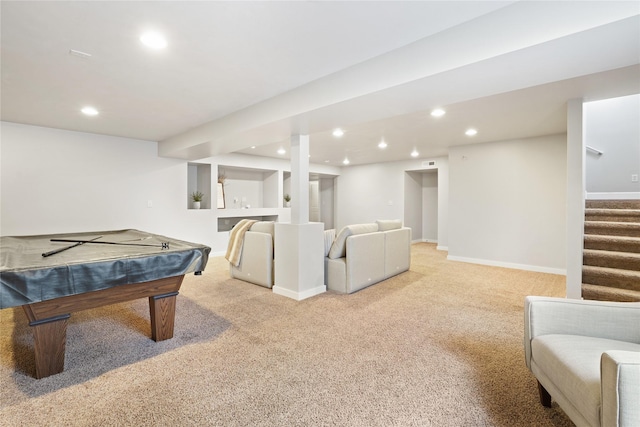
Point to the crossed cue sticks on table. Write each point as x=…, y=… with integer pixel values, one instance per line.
x=163, y=245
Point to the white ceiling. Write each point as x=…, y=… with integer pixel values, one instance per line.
x=242, y=74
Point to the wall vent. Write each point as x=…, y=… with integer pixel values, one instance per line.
x=429, y=163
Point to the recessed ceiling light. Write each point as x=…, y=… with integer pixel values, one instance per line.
x=382, y=144
x=326, y=161
x=345, y=161
x=338, y=132
x=253, y=147
x=471, y=132
x=153, y=40
x=415, y=153
x=79, y=54
x=282, y=151
x=438, y=112
x=89, y=111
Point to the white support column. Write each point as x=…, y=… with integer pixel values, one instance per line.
x=575, y=197
x=299, y=179
x=299, y=246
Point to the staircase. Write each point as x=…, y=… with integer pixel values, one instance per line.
x=611, y=260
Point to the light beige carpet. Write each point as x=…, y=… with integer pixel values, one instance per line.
x=439, y=345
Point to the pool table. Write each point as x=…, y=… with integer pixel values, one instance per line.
x=51, y=276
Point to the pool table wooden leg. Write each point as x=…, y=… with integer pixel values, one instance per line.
x=50, y=339
x=162, y=309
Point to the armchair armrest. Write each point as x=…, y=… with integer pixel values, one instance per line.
x=603, y=319
x=620, y=382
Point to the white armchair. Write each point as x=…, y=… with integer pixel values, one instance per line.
x=586, y=356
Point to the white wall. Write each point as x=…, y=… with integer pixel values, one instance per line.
x=612, y=126
x=443, y=204
x=507, y=203
x=430, y=206
x=413, y=204
x=327, y=196
x=369, y=192
x=57, y=181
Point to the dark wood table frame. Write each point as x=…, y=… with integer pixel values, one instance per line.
x=49, y=318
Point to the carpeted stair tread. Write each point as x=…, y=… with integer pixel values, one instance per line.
x=606, y=228
x=613, y=204
x=612, y=243
x=611, y=256
x=611, y=277
x=614, y=215
x=612, y=259
x=604, y=293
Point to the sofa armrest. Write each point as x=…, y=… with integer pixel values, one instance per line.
x=364, y=260
x=397, y=251
x=603, y=319
x=256, y=262
x=620, y=388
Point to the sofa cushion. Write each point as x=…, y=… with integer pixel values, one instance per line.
x=263, y=227
x=338, y=249
x=388, y=224
x=572, y=362
x=329, y=237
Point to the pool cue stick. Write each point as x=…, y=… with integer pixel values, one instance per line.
x=57, y=251
x=163, y=245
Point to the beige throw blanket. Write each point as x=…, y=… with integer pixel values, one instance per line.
x=236, y=238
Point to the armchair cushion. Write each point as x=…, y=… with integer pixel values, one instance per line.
x=572, y=363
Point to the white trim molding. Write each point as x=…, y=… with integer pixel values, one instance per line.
x=299, y=296
x=442, y=248
x=525, y=267
x=614, y=196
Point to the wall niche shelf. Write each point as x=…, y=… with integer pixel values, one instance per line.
x=225, y=224
x=247, y=213
x=199, y=179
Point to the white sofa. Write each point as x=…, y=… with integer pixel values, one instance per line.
x=586, y=356
x=364, y=254
x=256, y=261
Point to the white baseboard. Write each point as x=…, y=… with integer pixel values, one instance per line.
x=442, y=248
x=538, y=269
x=614, y=196
x=424, y=241
x=299, y=296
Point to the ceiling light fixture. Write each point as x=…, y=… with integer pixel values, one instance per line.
x=345, y=161
x=382, y=144
x=471, y=132
x=415, y=153
x=253, y=147
x=438, y=112
x=89, y=111
x=79, y=54
x=338, y=132
x=282, y=151
x=153, y=40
